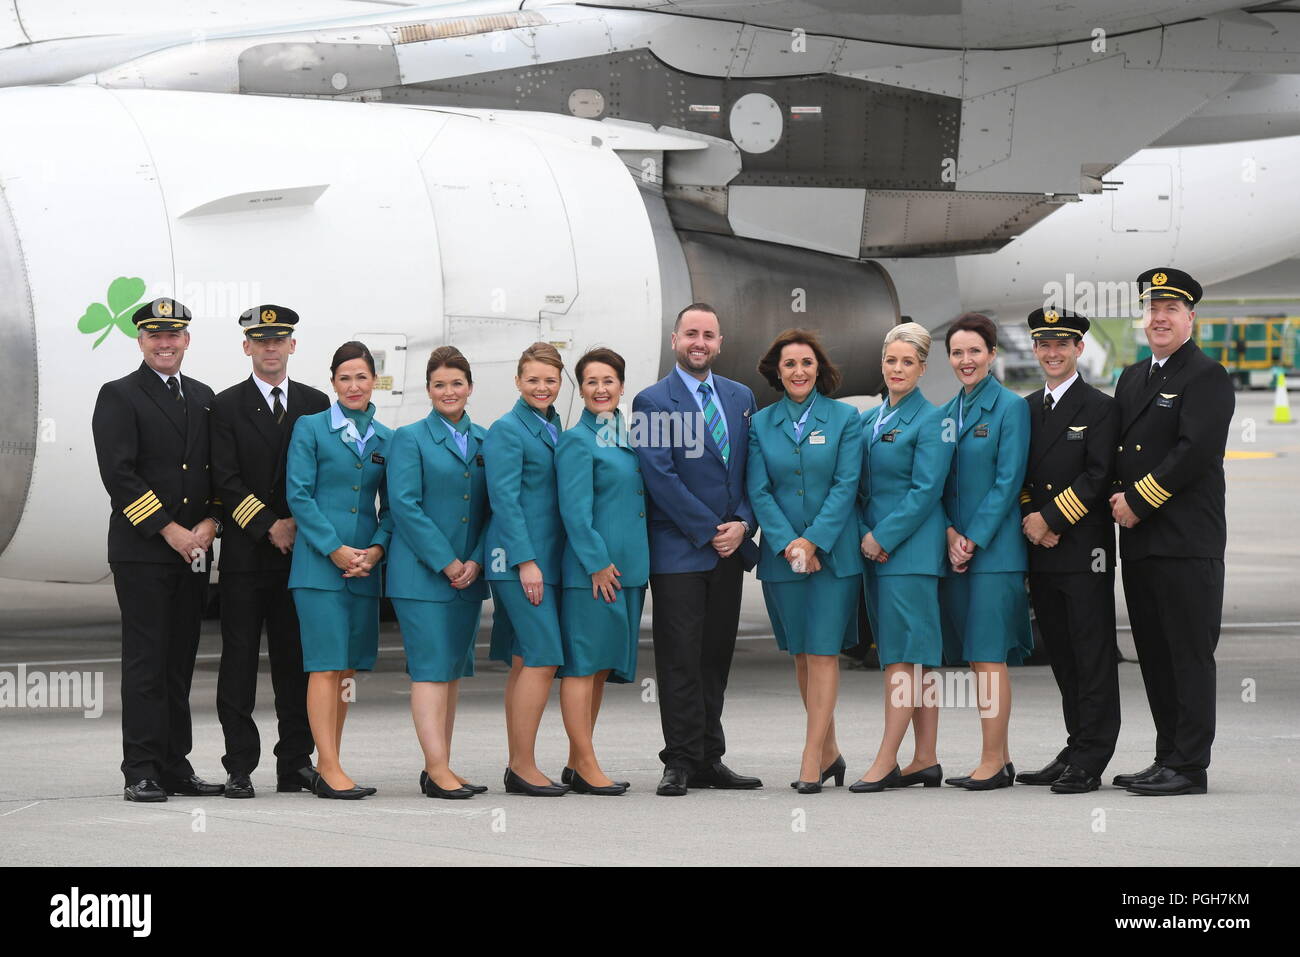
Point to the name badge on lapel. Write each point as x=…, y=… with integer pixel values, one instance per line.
x=376, y=458
x=1165, y=400
x=478, y=460
x=889, y=436
x=982, y=431
x=817, y=438
x=1076, y=433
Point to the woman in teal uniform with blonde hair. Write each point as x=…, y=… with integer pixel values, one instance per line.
x=523, y=548
x=982, y=594
x=905, y=463
x=437, y=491
x=804, y=460
x=334, y=475
x=606, y=561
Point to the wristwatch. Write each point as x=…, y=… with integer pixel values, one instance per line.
x=216, y=522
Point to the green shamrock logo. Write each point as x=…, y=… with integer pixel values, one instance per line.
x=123, y=296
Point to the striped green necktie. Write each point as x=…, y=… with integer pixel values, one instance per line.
x=713, y=417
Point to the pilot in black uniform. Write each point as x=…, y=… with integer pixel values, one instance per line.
x=251, y=425
x=1066, y=517
x=1175, y=409
x=151, y=440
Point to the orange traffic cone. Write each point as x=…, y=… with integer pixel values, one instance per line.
x=1281, y=402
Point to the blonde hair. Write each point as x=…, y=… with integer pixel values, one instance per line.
x=541, y=352
x=912, y=333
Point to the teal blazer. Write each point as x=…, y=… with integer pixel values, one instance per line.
x=439, y=505
x=806, y=489
x=600, y=484
x=525, y=523
x=331, y=490
x=981, y=498
x=900, y=494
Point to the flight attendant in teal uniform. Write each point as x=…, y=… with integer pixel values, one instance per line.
x=905, y=463
x=335, y=470
x=523, y=548
x=437, y=491
x=982, y=595
x=606, y=561
x=805, y=455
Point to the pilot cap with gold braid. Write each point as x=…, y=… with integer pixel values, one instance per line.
x=161, y=315
x=268, y=322
x=1165, y=282
x=1053, y=323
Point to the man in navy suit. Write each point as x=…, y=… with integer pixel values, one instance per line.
x=701, y=545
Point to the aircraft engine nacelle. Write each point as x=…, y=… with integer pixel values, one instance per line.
x=405, y=228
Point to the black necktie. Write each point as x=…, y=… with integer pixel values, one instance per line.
x=1048, y=402
x=277, y=408
x=1151, y=369
x=174, y=387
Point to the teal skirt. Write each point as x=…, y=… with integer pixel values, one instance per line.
x=438, y=637
x=522, y=629
x=600, y=635
x=816, y=615
x=985, y=617
x=340, y=630
x=904, y=615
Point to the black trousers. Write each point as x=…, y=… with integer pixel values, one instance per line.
x=162, y=609
x=248, y=602
x=1076, y=615
x=695, y=620
x=1175, y=606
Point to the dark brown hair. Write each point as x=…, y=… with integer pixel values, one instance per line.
x=601, y=354
x=540, y=352
x=349, y=351
x=985, y=327
x=695, y=307
x=448, y=356
x=828, y=377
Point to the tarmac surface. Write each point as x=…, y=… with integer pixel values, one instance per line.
x=60, y=797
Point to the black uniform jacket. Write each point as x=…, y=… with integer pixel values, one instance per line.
x=153, y=459
x=248, y=462
x=1169, y=455
x=1069, y=478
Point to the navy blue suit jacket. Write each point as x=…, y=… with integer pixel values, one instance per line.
x=692, y=494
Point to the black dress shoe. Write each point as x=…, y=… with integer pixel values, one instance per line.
x=1002, y=779
x=471, y=788
x=517, y=785
x=301, y=779
x=1075, y=780
x=890, y=780
x=431, y=789
x=930, y=777
x=354, y=793
x=1048, y=775
x=836, y=769
x=1125, y=780
x=1167, y=782
x=239, y=786
x=144, y=790
x=193, y=786
x=719, y=776
x=673, y=783
x=958, y=782
x=580, y=786
x=566, y=777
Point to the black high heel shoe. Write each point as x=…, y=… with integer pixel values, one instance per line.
x=566, y=777
x=580, y=786
x=431, y=789
x=836, y=770
x=517, y=785
x=890, y=780
x=322, y=790
x=472, y=788
x=931, y=777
